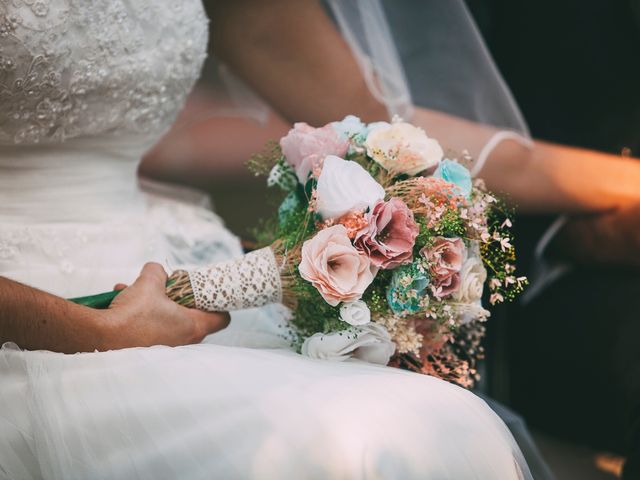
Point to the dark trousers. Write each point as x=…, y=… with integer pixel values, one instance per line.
x=574, y=360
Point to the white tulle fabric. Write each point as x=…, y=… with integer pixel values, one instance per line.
x=74, y=221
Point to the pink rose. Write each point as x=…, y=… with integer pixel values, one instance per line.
x=390, y=235
x=305, y=147
x=445, y=259
x=335, y=267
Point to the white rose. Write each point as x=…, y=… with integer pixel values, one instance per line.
x=472, y=278
x=403, y=148
x=370, y=343
x=345, y=186
x=355, y=313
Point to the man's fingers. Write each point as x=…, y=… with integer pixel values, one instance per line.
x=154, y=274
x=210, y=322
x=119, y=286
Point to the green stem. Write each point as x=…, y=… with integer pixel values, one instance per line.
x=99, y=301
x=102, y=301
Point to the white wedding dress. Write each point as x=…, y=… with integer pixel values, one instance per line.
x=85, y=89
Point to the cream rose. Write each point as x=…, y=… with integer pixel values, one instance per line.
x=472, y=278
x=335, y=267
x=470, y=312
x=370, y=343
x=403, y=148
x=355, y=313
x=344, y=187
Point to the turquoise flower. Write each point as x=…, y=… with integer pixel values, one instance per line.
x=351, y=127
x=453, y=172
x=407, y=289
x=289, y=206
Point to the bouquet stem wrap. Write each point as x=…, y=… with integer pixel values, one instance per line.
x=252, y=280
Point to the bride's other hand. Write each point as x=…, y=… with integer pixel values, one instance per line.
x=142, y=315
x=611, y=238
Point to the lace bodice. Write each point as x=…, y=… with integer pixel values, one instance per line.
x=86, y=87
x=71, y=68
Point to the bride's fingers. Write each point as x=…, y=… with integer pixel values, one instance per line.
x=210, y=322
x=119, y=286
x=153, y=274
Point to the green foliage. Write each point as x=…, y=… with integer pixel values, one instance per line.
x=425, y=234
x=313, y=314
x=451, y=225
x=376, y=295
x=500, y=260
x=261, y=163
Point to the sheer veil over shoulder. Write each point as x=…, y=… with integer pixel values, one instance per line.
x=86, y=88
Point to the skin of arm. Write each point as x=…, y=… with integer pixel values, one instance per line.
x=292, y=55
x=142, y=315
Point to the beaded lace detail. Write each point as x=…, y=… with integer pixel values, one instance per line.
x=72, y=67
x=252, y=280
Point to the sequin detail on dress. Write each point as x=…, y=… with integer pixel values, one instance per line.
x=61, y=61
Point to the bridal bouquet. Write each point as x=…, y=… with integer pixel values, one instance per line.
x=381, y=248
x=384, y=245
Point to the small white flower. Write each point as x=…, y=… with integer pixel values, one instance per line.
x=496, y=298
x=283, y=176
x=355, y=313
x=344, y=187
x=504, y=244
x=370, y=343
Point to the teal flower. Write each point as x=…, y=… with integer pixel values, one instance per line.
x=288, y=207
x=351, y=127
x=407, y=289
x=453, y=172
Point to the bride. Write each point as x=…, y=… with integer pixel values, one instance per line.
x=86, y=90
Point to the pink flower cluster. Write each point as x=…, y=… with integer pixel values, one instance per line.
x=342, y=270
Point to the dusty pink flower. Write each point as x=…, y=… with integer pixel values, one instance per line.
x=335, y=267
x=445, y=259
x=305, y=147
x=389, y=237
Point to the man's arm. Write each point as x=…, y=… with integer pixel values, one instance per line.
x=142, y=315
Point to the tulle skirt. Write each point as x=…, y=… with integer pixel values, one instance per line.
x=241, y=405
x=212, y=411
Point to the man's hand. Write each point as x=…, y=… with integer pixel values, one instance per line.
x=605, y=239
x=142, y=315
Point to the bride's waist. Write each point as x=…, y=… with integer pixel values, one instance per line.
x=81, y=180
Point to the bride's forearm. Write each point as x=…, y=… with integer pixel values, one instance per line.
x=36, y=320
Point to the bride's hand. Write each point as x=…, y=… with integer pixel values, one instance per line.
x=606, y=239
x=142, y=315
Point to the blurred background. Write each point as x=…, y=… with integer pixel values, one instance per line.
x=573, y=67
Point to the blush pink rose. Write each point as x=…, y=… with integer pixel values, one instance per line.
x=335, y=267
x=445, y=259
x=390, y=235
x=305, y=147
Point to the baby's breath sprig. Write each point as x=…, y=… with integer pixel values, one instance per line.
x=499, y=255
x=261, y=163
